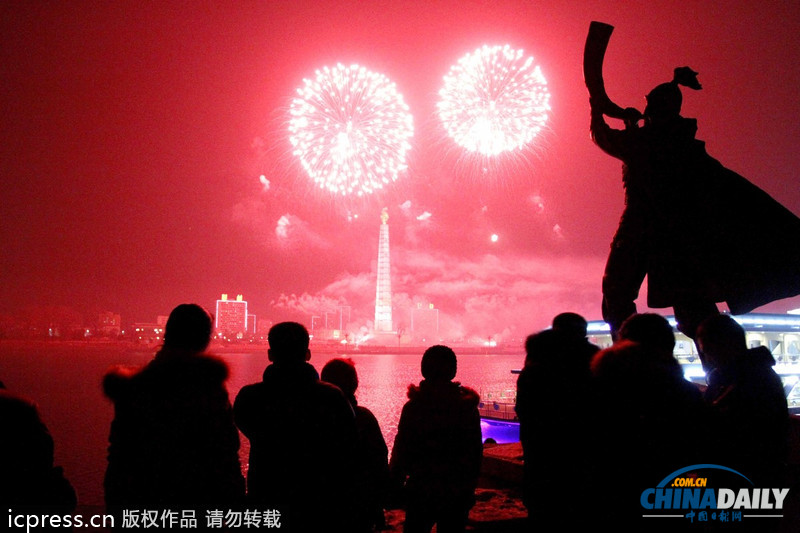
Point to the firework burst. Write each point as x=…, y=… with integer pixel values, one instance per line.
x=494, y=100
x=350, y=129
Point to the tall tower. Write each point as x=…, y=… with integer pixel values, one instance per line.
x=383, y=298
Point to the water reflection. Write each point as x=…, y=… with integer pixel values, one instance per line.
x=64, y=380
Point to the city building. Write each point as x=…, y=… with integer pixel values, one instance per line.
x=317, y=325
x=383, y=297
x=263, y=325
x=331, y=325
x=109, y=324
x=147, y=333
x=344, y=317
x=425, y=323
x=231, y=317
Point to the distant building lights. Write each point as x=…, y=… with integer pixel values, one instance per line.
x=762, y=320
x=598, y=327
x=691, y=372
x=754, y=321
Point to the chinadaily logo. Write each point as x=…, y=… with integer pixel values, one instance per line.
x=711, y=493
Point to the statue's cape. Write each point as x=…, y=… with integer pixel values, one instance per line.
x=724, y=238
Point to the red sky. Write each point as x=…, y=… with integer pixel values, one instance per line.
x=134, y=135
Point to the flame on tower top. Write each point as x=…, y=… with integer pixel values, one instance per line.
x=384, y=215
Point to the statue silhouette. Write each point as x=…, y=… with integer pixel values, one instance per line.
x=701, y=233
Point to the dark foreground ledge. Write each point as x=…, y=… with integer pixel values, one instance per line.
x=499, y=506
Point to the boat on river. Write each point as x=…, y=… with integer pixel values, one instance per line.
x=499, y=421
x=779, y=333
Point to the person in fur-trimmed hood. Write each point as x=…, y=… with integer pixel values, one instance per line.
x=438, y=450
x=173, y=441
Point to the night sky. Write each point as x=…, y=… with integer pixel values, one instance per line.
x=134, y=135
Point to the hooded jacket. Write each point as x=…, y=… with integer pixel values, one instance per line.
x=438, y=450
x=172, y=440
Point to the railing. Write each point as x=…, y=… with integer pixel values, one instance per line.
x=499, y=406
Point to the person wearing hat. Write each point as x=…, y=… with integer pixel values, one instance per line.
x=687, y=220
x=438, y=450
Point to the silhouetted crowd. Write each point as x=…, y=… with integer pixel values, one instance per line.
x=596, y=427
x=603, y=425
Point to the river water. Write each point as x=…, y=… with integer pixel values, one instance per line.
x=65, y=381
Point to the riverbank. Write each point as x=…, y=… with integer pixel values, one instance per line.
x=260, y=347
x=498, y=506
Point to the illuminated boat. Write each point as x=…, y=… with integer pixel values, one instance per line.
x=499, y=421
x=779, y=333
